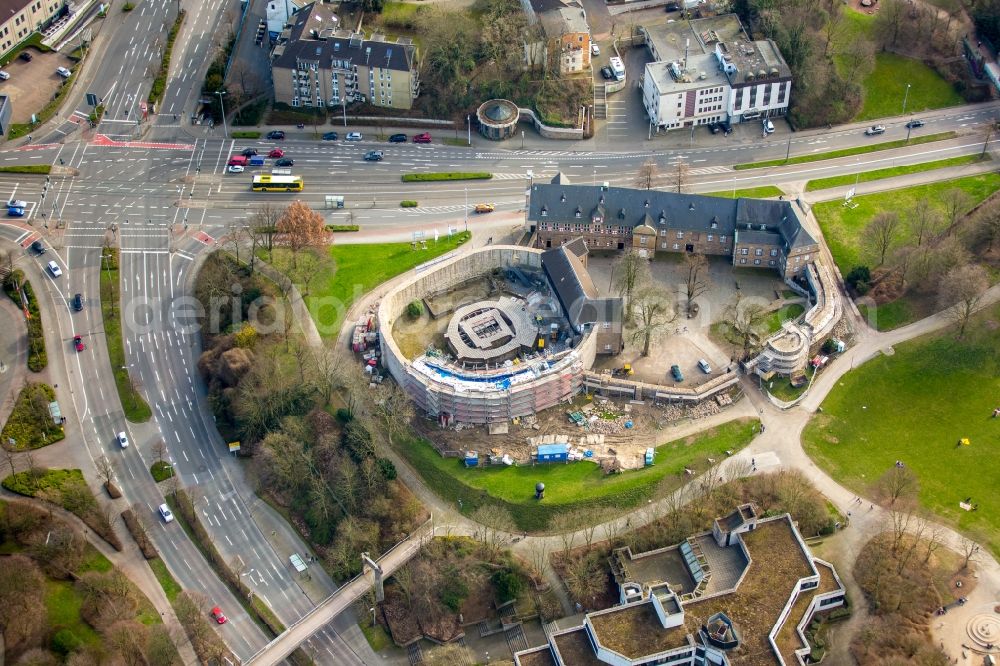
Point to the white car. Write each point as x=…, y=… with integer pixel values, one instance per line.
x=4, y=75
x=595, y=50
x=17, y=203
x=234, y=168
x=353, y=136
x=122, y=439
x=768, y=126
x=165, y=513
x=54, y=269
x=63, y=72
x=705, y=367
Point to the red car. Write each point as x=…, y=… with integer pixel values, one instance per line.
x=78, y=343
x=422, y=138
x=276, y=152
x=219, y=616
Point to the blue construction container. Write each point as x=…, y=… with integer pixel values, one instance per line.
x=650, y=454
x=471, y=458
x=553, y=452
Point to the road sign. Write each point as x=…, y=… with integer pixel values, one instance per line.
x=91, y=99
x=850, y=194
x=234, y=447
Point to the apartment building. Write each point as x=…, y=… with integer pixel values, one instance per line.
x=315, y=64
x=567, y=34
x=707, y=71
x=754, y=233
x=24, y=17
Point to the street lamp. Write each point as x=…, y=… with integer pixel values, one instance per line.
x=373, y=615
x=466, y=207
x=225, y=130
x=906, y=96
x=468, y=123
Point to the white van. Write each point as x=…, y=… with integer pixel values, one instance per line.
x=617, y=68
x=768, y=126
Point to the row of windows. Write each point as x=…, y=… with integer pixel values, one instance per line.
x=758, y=252
x=757, y=262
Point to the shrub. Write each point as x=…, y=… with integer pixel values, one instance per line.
x=453, y=590
x=29, y=423
x=415, y=309
x=246, y=337
x=344, y=415
x=161, y=471
x=507, y=584
x=138, y=533
x=859, y=279
x=387, y=468
x=27, y=168
x=451, y=175
x=408, y=203
x=245, y=134
x=160, y=82
x=341, y=228
x=65, y=641
x=127, y=7
x=828, y=346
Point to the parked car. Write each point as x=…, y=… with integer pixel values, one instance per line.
x=277, y=135
x=4, y=75
x=15, y=211
x=914, y=124
x=219, y=616
x=726, y=127
x=248, y=152
x=330, y=136
x=705, y=367
x=25, y=56
x=38, y=248
x=875, y=129
x=78, y=343
x=284, y=162
x=715, y=128
x=276, y=153
x=353, y=136
x=17, y=203
x=165, y=513
x=122, y=439
x=595, y=50
x=77, y=302
x=422, y=138
x=675, y=372
x=373, y=156
x=672, y=6
x=607, y=73
x=397, y=138
x=54, y=269
x=485, y=208
x=235, y=168
x=63, y=72
x=768, y=126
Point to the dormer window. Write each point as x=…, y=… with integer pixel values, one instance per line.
x=601, y=200
x=545, y=211
x=663, y=220
x=646, y=205
x=691, y=206
x=578, y=212
x=621, y=214
x=763, y=227
x=562, y=197
x=715, y=222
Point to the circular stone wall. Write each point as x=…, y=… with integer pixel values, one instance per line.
x=497, y=119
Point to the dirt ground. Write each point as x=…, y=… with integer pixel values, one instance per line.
x=32, y=84
x=414, y=335
x=614, y=446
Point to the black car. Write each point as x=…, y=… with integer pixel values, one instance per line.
x=607, y=73
x=913, y=124
x=249, y=152
x=25, y=56
x=373, y=156
x=330, y=136
x=715, y=128
x=77, y=302
x=672, y=6
x=397, y=138
x=38, y=248
x=276, y=134
x=284, y=162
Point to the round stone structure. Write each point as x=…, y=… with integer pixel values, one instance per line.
x=497, y=119
x=984, y=630
x=491, y=331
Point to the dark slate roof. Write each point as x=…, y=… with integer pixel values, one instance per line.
x=327, y=44
x=575, y=289
x=629, y=207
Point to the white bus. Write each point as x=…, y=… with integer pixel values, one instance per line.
x=617, y=68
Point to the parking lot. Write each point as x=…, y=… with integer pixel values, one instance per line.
x=32, y=84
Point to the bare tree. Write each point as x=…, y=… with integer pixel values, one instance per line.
x=989, y=129
x=969, y=550
x=960, y=293
x=697, y=280
x=159, y=449
x=496, y=526
x=680, y=176
x=987, y=225
x=393, y=408
x=565, y=526
x=889, y=21
x=899, y=485
x=881, y=234
x=655, y=313
x=925, y=222
x=630, y=273
x=105, y=469
x=857, y=58
x=748, y=324
x=538, y=557
x=646, y=174
x=263, y=225
x=957, y=203
x=300, y=227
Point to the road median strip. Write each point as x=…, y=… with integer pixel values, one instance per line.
x=449, y=175
x=847, y=152
x=135, y=407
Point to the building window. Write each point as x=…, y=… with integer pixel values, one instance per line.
x=663, y=246
x=781, y=92
x=680, y=234
x=722, y=239
x=759, y=252
x=642, y=240
x=739, y=98
x=743, y=261
x=677, y=246
x=756, y=262
x=711, y=238
x=772, y=262
x=805, y=258
x=774, y=253
x=744, y=250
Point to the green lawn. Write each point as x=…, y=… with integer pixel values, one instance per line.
x=161, y=470
x=762, y=192
x=171, y=587
x=354, y=270
x=847, y=152
x=63, y=602
x=790, y=311
x=29, y=427
x=135, y=407
x=891, y=315
x=376, y=636
x=914, y=406
x=890, y=172
x=574, y=485
x=842, y=226
x=885, y=88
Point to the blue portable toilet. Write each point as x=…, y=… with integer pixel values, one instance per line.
x=649, y=456
x=553, y=452
x=471, y=458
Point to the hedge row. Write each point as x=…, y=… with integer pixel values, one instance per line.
x=245, y=134
x=37, y=358
x=451, y=175
x=342, y=227
x=408, y=203
x=27, y=168
x=138, y=533
x=160, y=82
